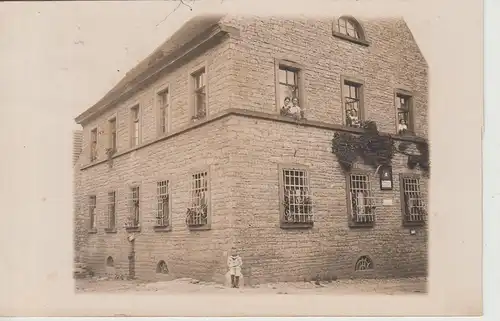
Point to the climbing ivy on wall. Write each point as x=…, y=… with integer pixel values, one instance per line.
x=375, y=149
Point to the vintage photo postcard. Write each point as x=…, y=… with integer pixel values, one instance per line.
x=267, y=159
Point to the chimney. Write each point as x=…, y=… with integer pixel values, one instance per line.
x=77, y=145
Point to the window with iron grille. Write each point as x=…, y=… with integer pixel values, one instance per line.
x=361, y=203
x=93, y=144
x=92, y=212
x=353, y=103
x=164, y=101
x=200, y=94
x=197, y=214
x=348, y=27
x=412, y=202
x=112, y=132
x=297, y=207
x=135, y=135
x=404, y=110
x=163, y=206
x=134, y=218
x=111, y=210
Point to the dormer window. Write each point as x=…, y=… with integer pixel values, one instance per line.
x=350, y=29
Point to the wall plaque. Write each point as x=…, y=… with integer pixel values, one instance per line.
x=386, y=178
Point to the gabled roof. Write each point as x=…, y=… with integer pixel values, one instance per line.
x=185, y=34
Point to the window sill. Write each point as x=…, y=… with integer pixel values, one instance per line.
x=366, y=225
x=413, y=224
x=160, y=228
x=92, y=231
x=286, y=225
x=351, y=39
x=133, y=229
x=199, y=227
x=110, y=230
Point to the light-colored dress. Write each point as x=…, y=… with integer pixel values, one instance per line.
x=234, y=263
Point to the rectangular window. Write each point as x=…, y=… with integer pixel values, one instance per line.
x=412, y=201
x=404, y=104
x=93, y=144
x=112, y=136
x=352, y=95
x=163, y=102
x=297, y=199
x=135, y=138
x=92, y=212
x=111, y=210
x=290, y=94
x=163, y=206
x=199, y=94
x=360, y=200
x=134, y=218
x=198, y=211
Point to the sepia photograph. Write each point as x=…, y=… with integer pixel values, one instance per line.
x=274, y=154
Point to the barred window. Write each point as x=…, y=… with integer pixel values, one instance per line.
x=162, y=201
x=163, y=101
x=200, y=93
x=413, y=205
x=134, y=218
x=92, y=211
x=361, y=202
x=93, y=144
x=111, y=210
x=197, y=214
x=297, y=199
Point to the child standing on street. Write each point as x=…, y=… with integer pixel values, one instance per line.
x=234, y=263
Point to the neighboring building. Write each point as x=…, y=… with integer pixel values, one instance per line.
x=190, y=154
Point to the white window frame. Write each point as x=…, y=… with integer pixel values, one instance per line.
x=113, y=143
x=304, y=200
x=163, y=190
x=111, y=211
x=365, y=214
x=134, y=204
x=193, y=91
x=196, y=220
x=300, y=74
x=92, y=211
x=94, y=144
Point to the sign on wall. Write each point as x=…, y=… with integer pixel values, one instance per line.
x=386, y=178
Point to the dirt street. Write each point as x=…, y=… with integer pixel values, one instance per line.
x=186, y=285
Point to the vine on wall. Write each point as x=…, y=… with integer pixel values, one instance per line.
x=376, y=149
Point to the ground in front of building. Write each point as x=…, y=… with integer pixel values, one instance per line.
x=187, y=285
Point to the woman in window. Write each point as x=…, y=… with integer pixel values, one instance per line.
x=286, y=106
x=295, y=109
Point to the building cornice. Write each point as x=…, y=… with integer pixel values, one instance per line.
x=254, y=115
x=192, y=48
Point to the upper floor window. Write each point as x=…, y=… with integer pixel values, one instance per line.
x=199, y=94
x=163, y=98
x=404, y=108
x=296, y=199
x=93, y=144
x=352, y=97
x=289, y=89
x=350, y=29
x=135, y=120
x=112, y=136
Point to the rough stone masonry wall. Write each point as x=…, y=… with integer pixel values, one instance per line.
x=392, y=60
x=330, y=247
x=187, y=253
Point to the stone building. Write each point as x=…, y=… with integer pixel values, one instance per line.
x=194, y=153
